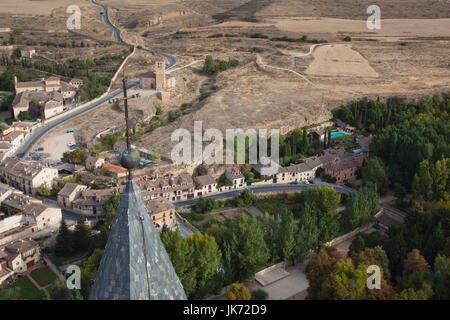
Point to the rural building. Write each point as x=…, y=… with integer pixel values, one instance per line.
x=94, y=162
x=22, y=216
x=17, y=202
x=25, y=127
x=20, y=255
x=69, y=193
x=50, y=103
x=115, y=171
x=91, y=201
x=44, y=216
x=14, y=138
x=345, y=169
x=180, y=187
x=76, y=82
x=162, y=212
x=205, y=184
x=26, y=176
x=48, y=85
x=27, y=52
x=235, y=177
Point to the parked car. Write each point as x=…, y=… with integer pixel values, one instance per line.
x=40, y=149
x=307, y=182
x=294, y=182
x=69, y=131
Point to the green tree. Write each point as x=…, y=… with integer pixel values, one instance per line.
x=414, y=262
x=110, y=208
x=44, y=191
x=376, y=173
x=180, y=253
x=324, y=201
x=441, y=277
x=348, y=282
x=64, y=241
x=287, y=236
x=205, y=257
x=249, y=252
x=307, y=236
x=319, y=274
x=422, y=185
x=411, y=294
x=362, y=206
x=24, y=116
x=440, y=176
x=89, y=269
x=82, y=234
x=304, y=140
x=238, y=292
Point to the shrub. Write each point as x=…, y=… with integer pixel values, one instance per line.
x=259, y=294
x=238, y=292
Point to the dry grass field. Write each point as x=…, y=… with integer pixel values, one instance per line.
x=340, y=60
x=278, y=84
x=36, y=7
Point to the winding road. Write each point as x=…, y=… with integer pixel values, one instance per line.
x=38, y=133
x=264, y=189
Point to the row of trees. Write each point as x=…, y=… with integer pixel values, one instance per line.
x=332, y=277
x=431, y=181
x=195, y=260
x=214, y=66
x=362, y=206
x=68, y=242
x=76, y=156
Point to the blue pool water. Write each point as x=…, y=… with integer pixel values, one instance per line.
x=337, y=134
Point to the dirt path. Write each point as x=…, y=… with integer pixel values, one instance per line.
x=299, y=54
x=179, y=68
x=261, y=63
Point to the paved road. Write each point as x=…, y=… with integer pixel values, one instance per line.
x=171, y=60
x=263, y=189
x=41, y=131
x=27, y=146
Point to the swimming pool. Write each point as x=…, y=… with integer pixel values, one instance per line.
x=337, y=134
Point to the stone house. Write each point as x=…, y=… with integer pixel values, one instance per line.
x=115, y=171
x=162, y=212
x=91, y=201
x=69, y=193
x=28, y=213
x=26, y=176
x=94, y=162
x=14, y=138
x=45, y=216
x=20, y=255
x=27, y=52
x=344, y=169
x=51, y=103
x=235, y=176
x=180, y=187
x=204, y=184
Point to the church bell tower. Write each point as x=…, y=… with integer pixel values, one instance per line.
x=160, y=73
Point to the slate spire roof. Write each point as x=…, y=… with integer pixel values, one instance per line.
x=135, y=264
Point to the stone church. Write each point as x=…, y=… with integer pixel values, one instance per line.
x=157, y=79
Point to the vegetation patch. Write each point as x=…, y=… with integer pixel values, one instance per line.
x=43, y=276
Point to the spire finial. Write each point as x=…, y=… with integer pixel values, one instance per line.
x=130, y=157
